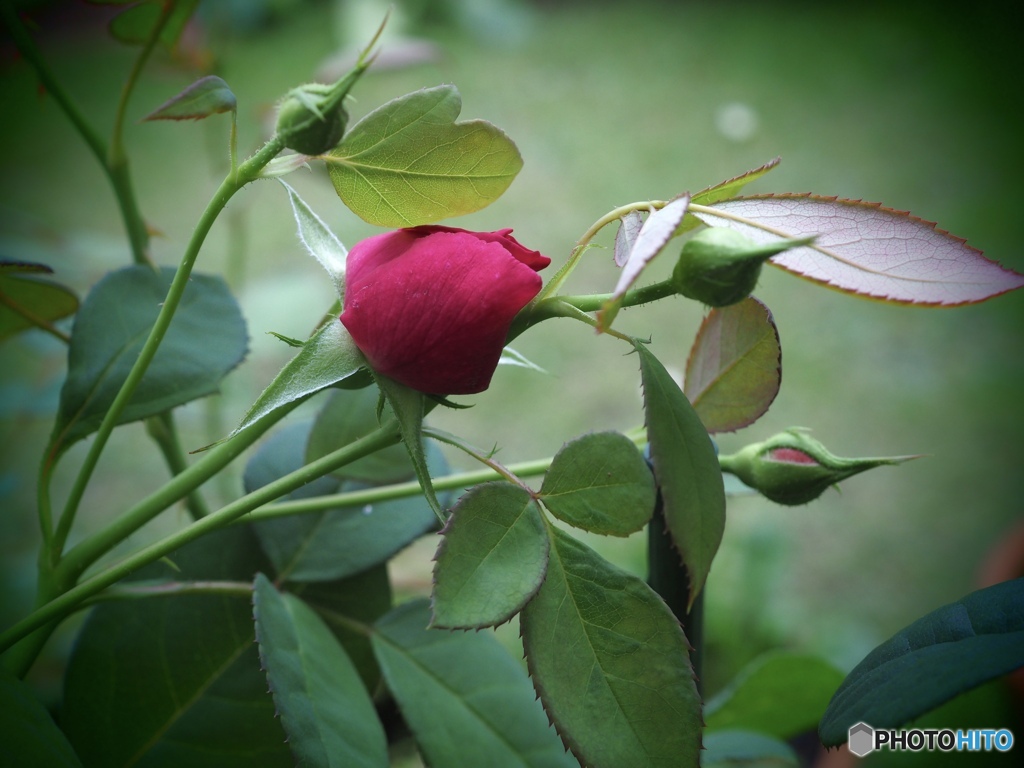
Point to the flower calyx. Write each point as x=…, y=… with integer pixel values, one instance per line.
x=792, y=468
x=719, y=266
x=311, y=119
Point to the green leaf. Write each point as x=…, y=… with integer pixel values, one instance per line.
x=27, y=301
x=407, y=404
x=175, y=681
x=322, y=244
x=135, y=25
x=492, y=559
x=326, y=712
x=728, y=189
x=207, y=96
x=600, y=483
x=686, y=468
x=654, y=235
x=947, y=652
x=723, y=191
x=206, y=339
x=735, y=366
x=409, y=163
x=346, y=604
x=781, y=694
x=348, y=415
x=31, y=738
x=611, y=664
x=327, y=358
x=746, y=749
x=466, y=700
x=324, y=546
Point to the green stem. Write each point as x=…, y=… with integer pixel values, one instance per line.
x=27, y=47
x=58, y=575
x=459, y=480
x=138, y=590
x=90, y=549
x=584, y=242
x=246, y=172
x=648, y=293
x=117, y=159
x=165, y=434
x=60, y=607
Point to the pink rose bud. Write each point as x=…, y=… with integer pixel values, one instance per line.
x=793, y=468
x=430, y=306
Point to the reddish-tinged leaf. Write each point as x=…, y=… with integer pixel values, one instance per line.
x=735, y=366
x=625, y=238
x=659, y=228
x=866, y=249
x=207, y=96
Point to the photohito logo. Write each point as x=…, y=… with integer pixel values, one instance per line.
x=863, y=739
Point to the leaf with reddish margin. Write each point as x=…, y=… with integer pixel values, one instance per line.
x=655, y=233
x=735, y=366
x=728, y=189
x=867, y=249
x=724, y=190
x=207, y=96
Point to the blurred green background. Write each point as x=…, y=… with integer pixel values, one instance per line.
x=609, y=103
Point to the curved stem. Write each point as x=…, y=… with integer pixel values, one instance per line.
x=117, y=159
x=90, y=549
x=584, y=243
x=59, y=607
x=247, y=172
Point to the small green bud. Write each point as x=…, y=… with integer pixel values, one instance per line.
x=719, y=266
x=311, y=120
x=793, y=468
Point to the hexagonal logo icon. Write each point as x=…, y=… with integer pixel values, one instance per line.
x=861, y=739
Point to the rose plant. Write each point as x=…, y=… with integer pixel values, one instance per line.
x=286, y=586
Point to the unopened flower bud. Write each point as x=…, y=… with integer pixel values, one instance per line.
x=720, y=266
x=793, y=468
x=311, y=119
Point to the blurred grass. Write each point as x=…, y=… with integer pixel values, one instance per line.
x=609, y=103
